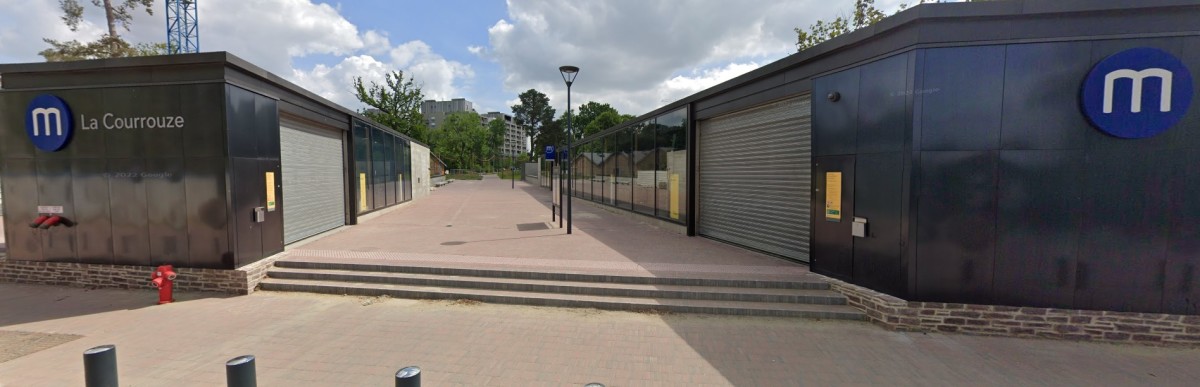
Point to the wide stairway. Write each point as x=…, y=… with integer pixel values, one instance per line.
x=807, y=296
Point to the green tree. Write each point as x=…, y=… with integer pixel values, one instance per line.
x=496, y=130
x=110, y=45
x=462, y=141
x=535, y=111
x=588, y=113
x=606, y=120
x=865, y=14
x=396, y=103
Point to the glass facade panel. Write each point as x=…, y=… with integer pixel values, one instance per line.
x=672, y=160
x=610, y=170
x=643, y=182
x=378, y=168
x=362, y=167
x=642, y=168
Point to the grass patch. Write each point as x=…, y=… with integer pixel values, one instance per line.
x=465, y=176
x=505, y=175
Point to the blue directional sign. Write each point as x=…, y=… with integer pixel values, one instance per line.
x=1137, y=93
x=550, y=152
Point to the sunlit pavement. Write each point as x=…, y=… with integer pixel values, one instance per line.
x=305, y=339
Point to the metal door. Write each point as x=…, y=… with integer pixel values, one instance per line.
x=313, y=199
x=754, y=178
x=833, y=215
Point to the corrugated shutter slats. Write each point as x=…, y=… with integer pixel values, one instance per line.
x=755, y=182
x=313, y=197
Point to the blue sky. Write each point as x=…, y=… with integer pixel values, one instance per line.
x=634, y=54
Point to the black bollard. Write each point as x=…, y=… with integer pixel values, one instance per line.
x=239, y=372
x=408, y=377
x=100, y=366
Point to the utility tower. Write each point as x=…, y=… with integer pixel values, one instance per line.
x=183, y=29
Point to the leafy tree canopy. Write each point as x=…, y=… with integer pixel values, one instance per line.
x=109, y=45
x=462, y=141
x=396, y=103
x=535, y=111
x=865, y=14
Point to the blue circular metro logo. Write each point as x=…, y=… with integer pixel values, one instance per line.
x=48, y=123
x=1137, y=93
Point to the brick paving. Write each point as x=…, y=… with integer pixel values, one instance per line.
x=476, y=222
x=316, y=340
x=307, y=339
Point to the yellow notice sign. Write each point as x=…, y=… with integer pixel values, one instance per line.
x=833, y=196
x=270, y=191
x=362, y=192
x=674, y=182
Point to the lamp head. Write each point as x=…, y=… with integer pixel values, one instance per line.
x=568, y=73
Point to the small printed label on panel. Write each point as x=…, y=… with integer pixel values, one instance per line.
x=833, y=196
x=674, y=183
x=362, y=192
x=50, y=209
x=270, y=191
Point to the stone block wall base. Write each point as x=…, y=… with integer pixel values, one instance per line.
x=242, y=280
x=1048, y=323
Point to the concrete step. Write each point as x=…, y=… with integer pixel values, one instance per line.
x=616, y=289
x=744, y=308
x=804, y=282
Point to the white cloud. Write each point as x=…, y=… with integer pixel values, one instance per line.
x=638, y=55
x=271, y=34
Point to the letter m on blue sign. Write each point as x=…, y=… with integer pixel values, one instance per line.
x=1137, y=93
x=48, y=123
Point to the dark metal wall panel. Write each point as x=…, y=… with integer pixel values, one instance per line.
x=209, y=244
x=832, y=241
x=159, y=142
x=130, y=218
x=272, y=226
x=1038, y=228
x=1123, y=254
x=21, y=192
x=93, y=229
x=835, y=123
x=1040, y=117
x=754, y=174
x=205, y=133
x=878, y=182
x=961, y=93
x=956, y=227
x=240, y=111
x=248, y=193
x=882, y=105
x=54, y=189
x=166, y=210
x=1181, y=293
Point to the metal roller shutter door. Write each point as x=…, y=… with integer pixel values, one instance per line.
x=313, y=200
x=754, y=186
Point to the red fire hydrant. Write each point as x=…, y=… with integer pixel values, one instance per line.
x=164, y=279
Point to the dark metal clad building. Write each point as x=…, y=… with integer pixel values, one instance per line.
x=199, y=160
x=1029, y=153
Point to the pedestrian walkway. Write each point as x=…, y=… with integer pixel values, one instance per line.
x=488, y=224
x=316, y=340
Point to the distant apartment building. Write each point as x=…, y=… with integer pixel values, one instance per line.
x=515, y=137
x=435, y=112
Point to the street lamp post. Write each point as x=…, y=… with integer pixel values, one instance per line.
x=568, y=74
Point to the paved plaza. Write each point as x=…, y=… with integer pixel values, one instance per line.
x=320, y=340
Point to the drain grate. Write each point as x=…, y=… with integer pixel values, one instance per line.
x=532, y=226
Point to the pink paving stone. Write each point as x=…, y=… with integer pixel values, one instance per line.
x=474, y=224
